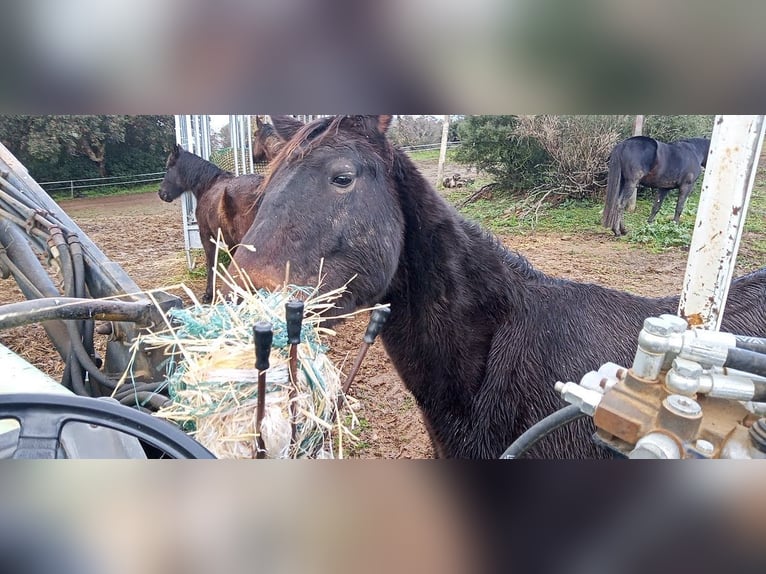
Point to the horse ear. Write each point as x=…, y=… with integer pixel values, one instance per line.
x=258, y=122
x=370, y=124
x=174, y=153
x=286, y=126
x=383, y=123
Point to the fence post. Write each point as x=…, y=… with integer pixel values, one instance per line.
x=442, y=152
x=71, y=188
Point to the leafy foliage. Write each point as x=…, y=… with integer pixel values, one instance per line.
x=78, y=147
x=492, y=145
x=673, y=128
x=559, y=156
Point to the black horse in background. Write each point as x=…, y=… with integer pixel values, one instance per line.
x=647, y=162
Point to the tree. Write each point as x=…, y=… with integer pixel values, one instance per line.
x=78, y=147
x=85, y=135
x=416, y=130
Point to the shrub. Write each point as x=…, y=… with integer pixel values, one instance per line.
x=491, y=144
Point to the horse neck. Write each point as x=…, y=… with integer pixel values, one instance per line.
x=450, y=273
x=200, y=175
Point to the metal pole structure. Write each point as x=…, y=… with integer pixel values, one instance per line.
x=249, y=126
x=234, y=141
x=735, y=148
x=442, y=152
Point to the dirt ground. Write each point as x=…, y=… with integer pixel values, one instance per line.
x=144, y=236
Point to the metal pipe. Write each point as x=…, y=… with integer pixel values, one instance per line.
x=69, y=308
x=32, y=279
x=377, y=320
x=263, y=335
x=294, y=320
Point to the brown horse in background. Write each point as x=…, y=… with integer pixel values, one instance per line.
x=266, y=142
x=224, y=202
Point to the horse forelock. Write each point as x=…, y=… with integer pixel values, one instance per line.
x=305, y=140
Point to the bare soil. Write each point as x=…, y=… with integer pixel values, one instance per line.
x=144, y=235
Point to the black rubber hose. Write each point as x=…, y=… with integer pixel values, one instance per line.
x=69, y=274
x=541, y=429
x=130, y=389
x=82, y=356
x=747, y=361
x=751, y=343
x=143, y=398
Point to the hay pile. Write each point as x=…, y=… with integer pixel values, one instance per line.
x=212, y=379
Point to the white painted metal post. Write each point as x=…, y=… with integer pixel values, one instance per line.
x=735, y=148
x=442, y=152
x=249, y=126
x=233, y=132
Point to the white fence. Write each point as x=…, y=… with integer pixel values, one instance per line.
x=74, y=186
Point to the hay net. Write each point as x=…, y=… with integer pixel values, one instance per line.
x=212, y=381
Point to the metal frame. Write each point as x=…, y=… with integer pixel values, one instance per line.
x=193, y=134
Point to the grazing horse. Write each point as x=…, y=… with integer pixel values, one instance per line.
x=224, y=202
x=651, y=163
x=476, y=333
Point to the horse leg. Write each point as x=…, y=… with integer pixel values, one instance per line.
x=683, y=193
x=631, y=203
x=628, y=186
x=661, y=195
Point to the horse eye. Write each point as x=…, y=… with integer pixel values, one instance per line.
x=343, y=180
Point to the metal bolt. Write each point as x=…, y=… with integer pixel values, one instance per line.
x=656, y=445
x=677, y=324
x=704, y=446
x=657, y=326
x=687, y=368
x=682, y=405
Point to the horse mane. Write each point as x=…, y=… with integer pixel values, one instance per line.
x=406, y=174
x=199, y=174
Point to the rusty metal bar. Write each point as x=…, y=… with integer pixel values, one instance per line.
x=735, y=148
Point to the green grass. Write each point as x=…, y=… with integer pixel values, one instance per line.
x=508, y=214
x=356, y=448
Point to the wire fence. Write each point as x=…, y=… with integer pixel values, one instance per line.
x=76, y=187
x=427, y=147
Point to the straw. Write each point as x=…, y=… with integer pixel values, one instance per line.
x=212, y=381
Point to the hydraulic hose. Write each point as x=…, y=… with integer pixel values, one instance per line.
x=747, y=361
x=751, y=343
x=541, y=429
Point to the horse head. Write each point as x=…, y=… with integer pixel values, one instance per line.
x=329, y=207
x=171, y=186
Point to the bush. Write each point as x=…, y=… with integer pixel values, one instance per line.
x=491, y=144
x=565, y=156
x=578, y=148
x=673, y=128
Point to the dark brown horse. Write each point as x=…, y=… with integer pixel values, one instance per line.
x=266, y=142
x=477, y=334
x=647, y=162
x=224, y=202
